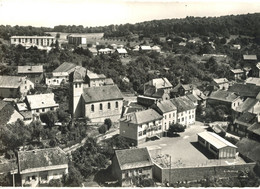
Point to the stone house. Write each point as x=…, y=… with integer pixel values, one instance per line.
x=221, y=83
x=34, y=73
x=130, y=166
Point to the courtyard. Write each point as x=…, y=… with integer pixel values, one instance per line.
x=184, y=150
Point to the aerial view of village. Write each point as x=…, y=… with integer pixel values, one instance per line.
x=129, y=93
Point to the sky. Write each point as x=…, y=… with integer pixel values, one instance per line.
x=49, y=13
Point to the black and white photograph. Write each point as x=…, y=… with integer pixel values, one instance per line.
x=130, y=93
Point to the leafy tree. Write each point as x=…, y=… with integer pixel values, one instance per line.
x=176, y=128
x=36, y=129
x=74, y=177
x=108, y=122
x=5, y=180
x=147, y=183
x=50, y=118
x=103, y=129
x=55, y=183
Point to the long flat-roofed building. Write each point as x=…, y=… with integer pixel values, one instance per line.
x=218, y=146
x=33, y=40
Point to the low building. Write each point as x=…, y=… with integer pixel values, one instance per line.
x=169, y=112
x=253, y=81
x=186, y=110
x=236, y=46
x=249, y=149
x=105, y=51
x=32, y=40
x=237, y=74
x=254, y=131
x=140, y=126
x=242, y=123
x=251, y=105
x=14, y=86
x=216, y=145
x=25, y=112
x=60, y=74
x=229, y=99
x=145, y=48
x=41, y=103
x=34, y=73
x=221, y=83
x=38, y=167
x=146, y=100
x=156, y=49
x=249, y=57
x=8, y=114
x=129, y=164
x=77, y=39
x=121, y=52
x=96, y=80
x=245, y=90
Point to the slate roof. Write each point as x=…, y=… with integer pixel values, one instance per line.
x=193, y=98
x=236, y=71
x=249, y=57
x=223, y=96
x=93, y=75
x=133, y=158
x=246, y=119
x=249, y=148
x=121, y=51
x=10, y=81
x=255, y=128
x=183, y=103
x=30, y=69
x=41, y=101
x=152, y=92
x=245, y=90
x=141, y=117
x=102, y=93
x=109, y=81
x=215, y=140
x=41, y=158
x=166, y=106
x=220, y=80
x=248, y=104
x=65, y=67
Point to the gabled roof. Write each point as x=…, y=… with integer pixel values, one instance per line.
x=145, y=48
x=249, y=57
x=223, y=96
x=215, y=140
x=160, y=83
x=220, y=80
x=102, y=93
x=11, y=81
x=133, y=158
x=193, y=98
x=255, y=128
x=46, y=159
x=248, y=104
x=253, y=80
x=22, y=106
x=65, y=67
x=121, y=51
x=30, y=69
x=109, y=81
x=93, y=75
x=183, y=103
x=187, y=87
x=249, y=148
x=141, y=117
x=245, y=90
x=166, y=106
x=246, y=119
x=237, y=71
x=41, y=101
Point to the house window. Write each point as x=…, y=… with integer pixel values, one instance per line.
x=28, y=179
x=25, y=87
x=25, y=81
x=140, y=171
x=52, y=108
x=108, y=106
x=165, y=117
x=116, y=104
x=33, y=177
x=37, y=110
x=181, y=114
x=182, y=119
x=76, y=85
x=79, y=85
x=169, y=115
x=43, y=110
x=144, y=132
x=160, y=127
x=140, y=133
x=100, y=107
x=92, y=108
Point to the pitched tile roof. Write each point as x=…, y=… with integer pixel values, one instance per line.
x=166, y=106
x=11, y=81
x=236, y=71
x=66, y=67
x=223, y=96
x=41, y=158
x=220, y=80
x=215, y=140
x=249, y=57
x=248, y=104
x=253, y=80
x=133, y=158
x=249, y=148
x=183, y=103
x=246, y=119
x=102, y=93
x=41, y=101
x=245, y=90
x=144, y=116
x=30, y=69
x=193, y=98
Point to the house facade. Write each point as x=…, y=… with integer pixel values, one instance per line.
x=14, y=86
x=140, y=126
x=39, y=166
x=34, y=73
x=32, y=40
x=41, y=103
x=221, y=83
x=130, y=166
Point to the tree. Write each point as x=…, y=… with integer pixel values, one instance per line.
x=176, y=128
x=74, y=178
x=50, y=118
x=103, y=129
x=146, y=183
x=55, y=183
x=108, y=122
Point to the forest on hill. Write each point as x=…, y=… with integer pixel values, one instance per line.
x=248, y=24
